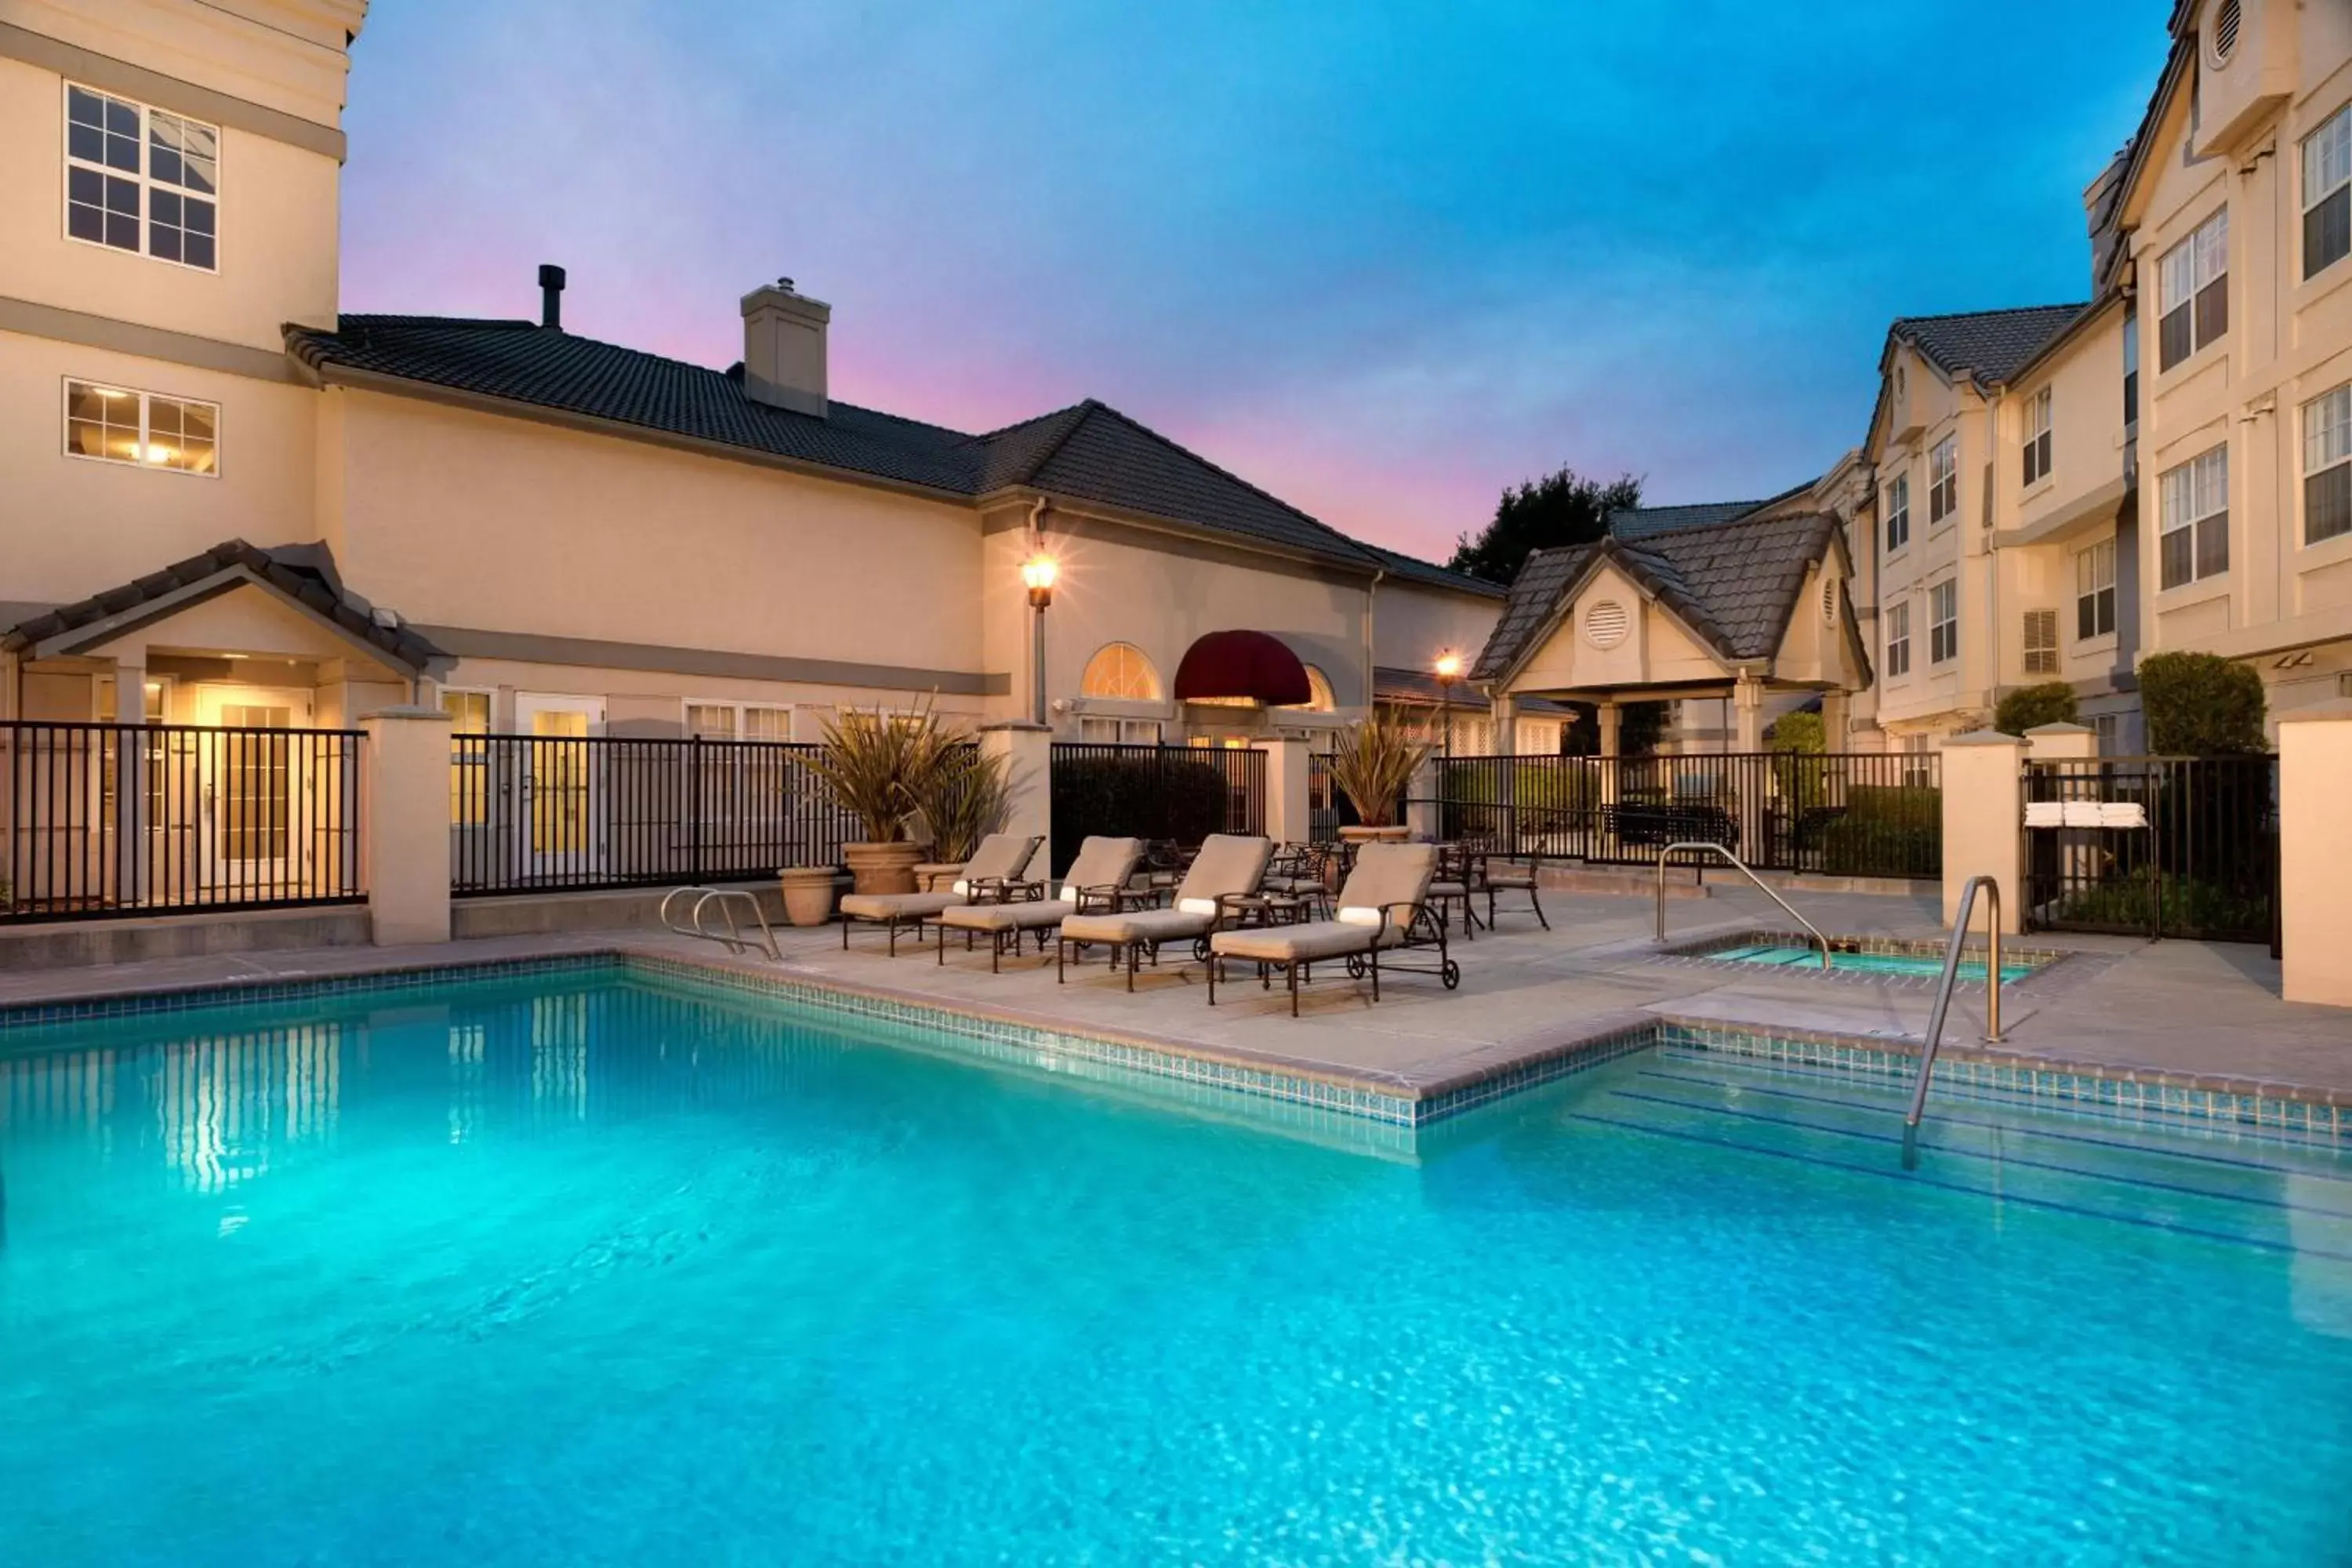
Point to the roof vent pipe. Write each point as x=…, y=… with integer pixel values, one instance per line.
x=550, y=296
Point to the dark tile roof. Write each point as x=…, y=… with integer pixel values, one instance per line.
x=1415, y=570
x=1733, y=583
x=1639, y=523
x=305, y=572
x=1087, y=452
x=1988, y=344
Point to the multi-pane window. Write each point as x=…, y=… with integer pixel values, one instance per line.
x=2131, y=368
x=116, y=424
x=2193, y=538
x=2037, y=437
x=2094, y=591
x=1120, y=732
x=737, y=722
x=1898, y=514
x=2108, y=728
x=469, y=793
x=1899, y=639
x=142, y=179
x=1944, y=479
x=1944, y=621
x=2041, y=642
x=2194, y=280
x=2328, y=193
x=2327, y=465
x=1121, y=670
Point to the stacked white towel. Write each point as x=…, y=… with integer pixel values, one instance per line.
x=2085, y=814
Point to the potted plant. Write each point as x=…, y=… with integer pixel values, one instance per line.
x=962, y=800
x=879, y=765
x=1373, y=765
x=808, y=894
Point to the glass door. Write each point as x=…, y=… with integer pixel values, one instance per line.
x=559, y=786
x=247, y=788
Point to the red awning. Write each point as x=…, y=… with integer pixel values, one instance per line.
x=1249, y=665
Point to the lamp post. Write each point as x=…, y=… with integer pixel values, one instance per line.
x=1449, y=670
x=1037, y=574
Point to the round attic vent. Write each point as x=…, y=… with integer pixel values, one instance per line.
x=1605, y=623
x=2225, y=30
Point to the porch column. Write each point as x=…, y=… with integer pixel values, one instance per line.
x=2315, y=848
x=1837, y=708
x=405, y=823
x=1747, y=713
x=1504, y=716
x=1609, y=719
x=1028, y=752
x=1984, y=820
x=1287, y=802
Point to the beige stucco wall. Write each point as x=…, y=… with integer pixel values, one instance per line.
x=73, y=526
x=1412, y=624
x=1935, y=699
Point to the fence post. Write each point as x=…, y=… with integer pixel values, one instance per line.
x=405, y=823
x=1028, y=752
x=1286, y=798
x=1984, y=819
x=2061, y=743
x=2314, y=849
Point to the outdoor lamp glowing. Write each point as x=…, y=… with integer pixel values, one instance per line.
x=1449, y=665
x=1449, y=670
x=1037, y=572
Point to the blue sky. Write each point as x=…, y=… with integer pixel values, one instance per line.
x=1381, y=259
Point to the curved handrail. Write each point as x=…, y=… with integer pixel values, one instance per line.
x=734, y=939
x=671, y=896
x=1742, y=865
x=1944, y=1002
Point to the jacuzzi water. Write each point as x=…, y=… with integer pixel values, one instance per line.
x=1898, y=963
x=594, y=1269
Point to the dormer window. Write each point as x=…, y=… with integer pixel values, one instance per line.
x=141, y=179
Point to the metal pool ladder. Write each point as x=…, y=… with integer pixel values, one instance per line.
x=1663, y=855
x=733, y=939
x=1943, y=1002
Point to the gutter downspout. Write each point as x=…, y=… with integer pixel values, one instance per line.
x=1370, y=589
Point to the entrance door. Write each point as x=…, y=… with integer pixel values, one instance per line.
x=560, y=791
x=247, y=789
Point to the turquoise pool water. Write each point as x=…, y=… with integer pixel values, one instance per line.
x=1868, y=962
x=613, y=1271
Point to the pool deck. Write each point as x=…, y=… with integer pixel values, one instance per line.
x=2206, y=1015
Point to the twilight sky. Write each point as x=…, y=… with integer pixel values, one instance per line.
x=1381, y=259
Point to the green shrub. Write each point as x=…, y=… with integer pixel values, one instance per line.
x=2031, y=706
x=1796, y=733
x=1888, y=831
x=2200, y=705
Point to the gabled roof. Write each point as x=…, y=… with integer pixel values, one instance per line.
x=1989, y=346
x=303, y=573
x=1733, y=583
x=1641, y=522
x=1413, y=568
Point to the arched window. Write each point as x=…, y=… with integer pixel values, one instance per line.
x=1121, y=669
x=1319, y=687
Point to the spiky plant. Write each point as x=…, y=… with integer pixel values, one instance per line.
x=1374, y=763
x=964, y=800
x=879, y=764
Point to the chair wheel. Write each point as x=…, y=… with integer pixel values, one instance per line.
x=1357, y=968
x=1451, y=974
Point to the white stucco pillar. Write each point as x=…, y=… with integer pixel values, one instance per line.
x=1747, y=713
x=1422, y=816
x=405, y=823
x=1506, y=716
x=1287, y=802
x=1984, y=818
x=1837, y=710
x=2315, y=852
x=1028, y=752
x=2061, y=743
x=1609, y=719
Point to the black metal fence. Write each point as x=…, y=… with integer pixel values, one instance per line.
x=1323, y=801
x=532, y=812
x=113, y=820
x=1841, y=814
x=2180, y=846
x=1179, y=792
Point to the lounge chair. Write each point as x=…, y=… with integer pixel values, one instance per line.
x=993, y=874
x=1096, y=883
x=1384, y=906
x=1229, y=866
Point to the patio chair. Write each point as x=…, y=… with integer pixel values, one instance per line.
x=1384, y=906
x=991, y=875
x=1229, y=866
x=1096, y=883
x=1515, y=873
x=1451, y=887
x=1303, y=871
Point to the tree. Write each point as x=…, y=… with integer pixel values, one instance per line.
x=1798, y=732
x=1562, y=508
x=2202, y=705
x=2029, y=707
x=1639, y=725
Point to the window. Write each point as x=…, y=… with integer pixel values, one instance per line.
x=2327, y=465
x=2131, y=368
x=141, y=180
x=116, y=425
x=2041, y=642
x=2094, y=591
x=469, y=765
x=1944, y=621
x=1120, y=732
x=2194, y=521
x=2109, y=728
x=1898, y=514
x=2328, y=193
x=1121, y=669
x=737, y=722
x=2037, y=437
x=2194, y=280
x=1319, y=698
x=1943, y=480
x=1898, y=640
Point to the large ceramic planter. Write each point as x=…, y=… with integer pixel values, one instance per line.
x=808, y=894
x=883, y=867
x=1353, y=834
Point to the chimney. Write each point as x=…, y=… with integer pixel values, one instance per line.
x=784, y=348
x=550, y=296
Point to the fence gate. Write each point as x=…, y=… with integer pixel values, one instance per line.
x=2179, y=847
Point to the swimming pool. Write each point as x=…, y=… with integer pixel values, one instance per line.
x=1908, y=965
x=604, y=1268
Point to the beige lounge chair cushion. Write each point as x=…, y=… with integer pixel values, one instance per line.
x=1228, y=863
x=1101, y=863
x=1293, y=944
x=1384, y=875
x=1138, y=925
x=1000, y=855
x=896, y=906
x=1024, y=914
